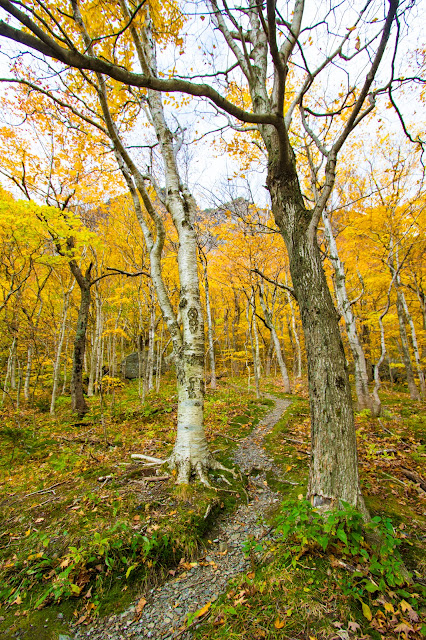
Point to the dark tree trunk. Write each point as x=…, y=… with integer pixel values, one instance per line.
x=334, y=463
x=78, y=401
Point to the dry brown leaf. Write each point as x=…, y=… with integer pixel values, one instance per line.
x=140, y=605
x=403, y=628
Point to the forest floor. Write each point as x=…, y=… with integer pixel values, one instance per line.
x=89, y=540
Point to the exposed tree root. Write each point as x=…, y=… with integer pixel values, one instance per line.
x=185, y=467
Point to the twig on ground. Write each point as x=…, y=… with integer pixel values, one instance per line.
x=293, y=440
x=394, y=479
x=221, y=435
x=48, y=490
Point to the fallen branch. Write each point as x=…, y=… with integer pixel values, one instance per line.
x=142, y=456
x=386, y=451
x=394, y=479
x=293, y=440
x=414, y=477
x=105, y=478
x=221, y=435
x=48, y=490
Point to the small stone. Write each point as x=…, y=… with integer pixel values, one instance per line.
x=223, y=546
x=60, y=616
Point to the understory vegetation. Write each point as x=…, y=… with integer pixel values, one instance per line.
x=86, y=530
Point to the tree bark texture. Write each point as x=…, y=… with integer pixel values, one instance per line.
x=57, y=364
x=334, y=462
x=78, y=401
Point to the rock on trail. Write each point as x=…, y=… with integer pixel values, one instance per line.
x=165, y=613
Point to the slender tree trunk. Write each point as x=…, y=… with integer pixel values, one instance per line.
x=268, y=319
x=235, y=325
x=18, y=385
x=57, y=364
x=297, y=366
x=8, y=369
x=99, y=352
x=91, y=382
x=28, y=373
x=253, y=349
x=414, y=392
x=256, y=341
x=149, y=373
x=268, y=360
x=414, y=343
x=345, y=308
x=13, y=367
x=78, y=402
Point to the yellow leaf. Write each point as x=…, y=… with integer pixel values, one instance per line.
x=389, y=607
x=278, y=624
x=18, y=600
x=366, y=611
x=204, y=610
x=300, y=496
x=27, y=533
x=250, y=575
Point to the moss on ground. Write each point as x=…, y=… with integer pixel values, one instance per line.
x=83, y=532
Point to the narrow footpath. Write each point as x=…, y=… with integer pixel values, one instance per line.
x=167, y=608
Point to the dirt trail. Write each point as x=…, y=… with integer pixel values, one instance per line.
x=167, y=607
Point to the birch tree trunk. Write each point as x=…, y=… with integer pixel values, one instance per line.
x=190, y=453
x=253, y=349
x=345, y=308
x=13, y=366
x=149, y=372
x=8, y=369
x=256, y=343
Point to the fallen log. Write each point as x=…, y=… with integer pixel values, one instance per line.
x=414, y=477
